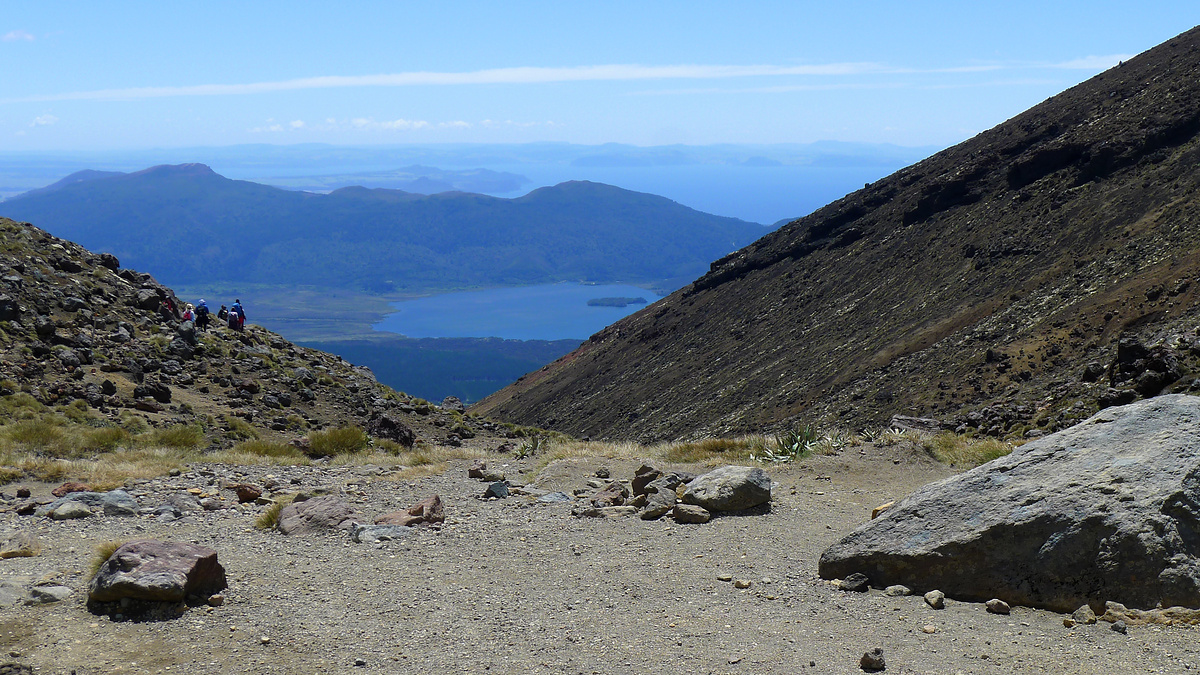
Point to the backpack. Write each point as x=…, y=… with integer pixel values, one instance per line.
x=202, y=311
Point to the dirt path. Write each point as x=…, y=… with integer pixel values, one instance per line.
x=515, y=586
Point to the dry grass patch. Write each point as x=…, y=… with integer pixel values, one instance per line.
x=964, y=451
x=269, y=518
x=102, y=553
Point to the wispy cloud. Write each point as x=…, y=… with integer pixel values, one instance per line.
x=540, y=75
x=43, y=121
x=1093, y=62
x=525, y=75
x=16, y=36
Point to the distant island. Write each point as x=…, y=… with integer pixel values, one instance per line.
x=615, y=302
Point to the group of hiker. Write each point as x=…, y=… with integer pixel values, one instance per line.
x=234, y=317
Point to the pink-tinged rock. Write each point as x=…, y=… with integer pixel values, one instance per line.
x=319, y=513
x=157, y=571
x=428, y=511
x=69, y=487
x=246, y=492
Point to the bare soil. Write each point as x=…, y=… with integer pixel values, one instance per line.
x=519, y=586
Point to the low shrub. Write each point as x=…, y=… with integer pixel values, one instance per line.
x=340, y=441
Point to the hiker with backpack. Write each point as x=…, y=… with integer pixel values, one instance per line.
x=202, y=315
x=189, y=313
x=241, y=315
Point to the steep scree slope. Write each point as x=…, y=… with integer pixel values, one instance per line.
x=989, y=285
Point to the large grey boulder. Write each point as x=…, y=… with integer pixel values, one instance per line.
x=729, y=488
x=1108, y=510
x=157, y=571
x=317, y=514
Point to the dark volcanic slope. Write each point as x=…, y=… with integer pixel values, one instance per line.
x=74, y=326
x=990, y=273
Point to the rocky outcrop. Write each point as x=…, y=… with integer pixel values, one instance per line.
x=157, y=571
x=1108, y=510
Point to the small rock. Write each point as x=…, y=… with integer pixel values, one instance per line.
x=215, y=600
x=265, y=640
x=690, y=513
x=20, y=545
x=929, y=629
x=857, y=582
x=1084, y=615
x=1069, y=622
x=742, y=583
x=724, y=577
x=935, y=599
x=875, y=512
x=603, y=472
x=44, y=595
x=498, y=490
x=70, y=510
x=359, y=663
x=23, y=493
x=998, y=606
x=872, y=661
x=246, y=492
x=1119, y=627
x=897, y=591
x=555, y=498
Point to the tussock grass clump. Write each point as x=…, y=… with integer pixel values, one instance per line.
x=40, y=435
x=262, y=448
x=965, y=451
x=239, y=429
x=269, y=518
x=105, y=439
x=333, y=442
x=183, y=436
x=102, y=553
x=712, y=449
x=9, y=474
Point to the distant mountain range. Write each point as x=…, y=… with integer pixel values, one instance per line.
x=1010, y=285
x=193, y=227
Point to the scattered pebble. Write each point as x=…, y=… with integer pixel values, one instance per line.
x=897, y=591
x=1119, y=627
x=856, y=582
x=742, y=583
x=724, y=577
x=929, y=629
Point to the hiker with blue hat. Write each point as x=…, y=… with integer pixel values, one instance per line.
x=202, y=315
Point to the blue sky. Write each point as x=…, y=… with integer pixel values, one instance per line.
x=130, y=75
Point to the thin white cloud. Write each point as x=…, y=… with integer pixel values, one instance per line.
x=540, y=75
x=43, y=121
x=526, y=75
x=15, y=36
x=1093, y=62
x=296, y=124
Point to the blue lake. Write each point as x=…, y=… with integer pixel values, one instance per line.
x=544, y=312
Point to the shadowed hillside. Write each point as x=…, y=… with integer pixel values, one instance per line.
x=1009, y=285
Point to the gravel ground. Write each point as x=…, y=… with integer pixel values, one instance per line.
x=517, y=586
